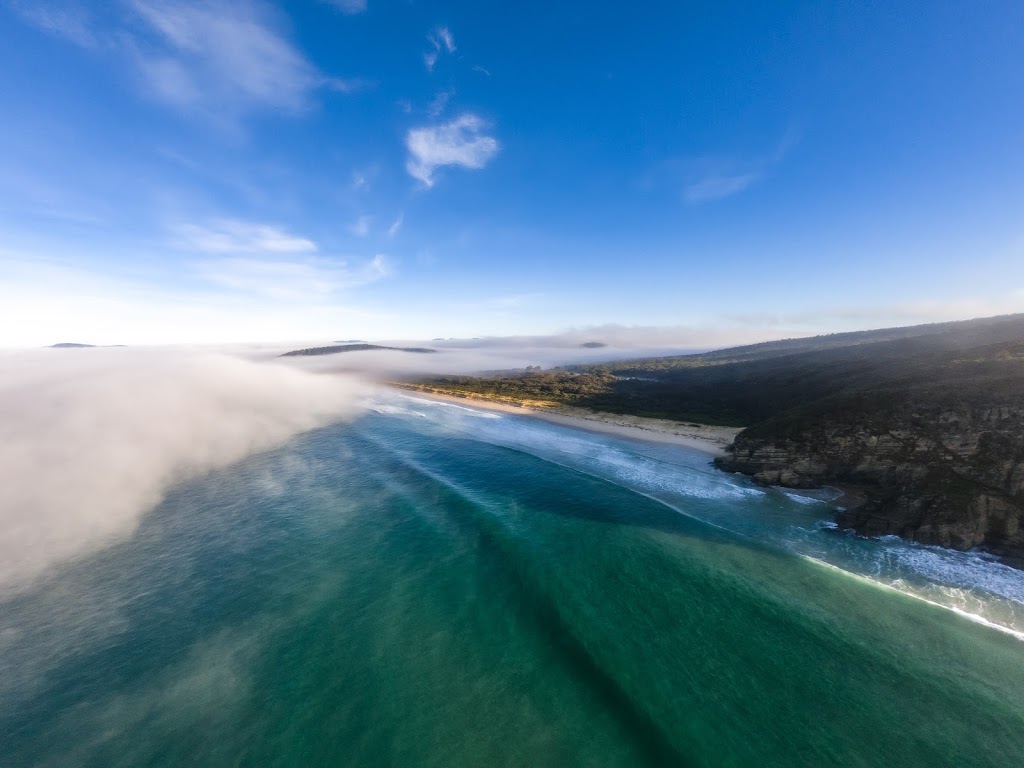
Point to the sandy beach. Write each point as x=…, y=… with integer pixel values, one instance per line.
x=706, y=438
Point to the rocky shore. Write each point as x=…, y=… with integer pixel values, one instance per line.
x=947, y=476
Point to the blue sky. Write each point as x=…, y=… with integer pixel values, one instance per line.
x=181, y=171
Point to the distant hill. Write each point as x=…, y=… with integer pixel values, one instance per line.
x=960, y=333
x=312, y=351
x=924, y=425
x=593, y=345
x=70, y=345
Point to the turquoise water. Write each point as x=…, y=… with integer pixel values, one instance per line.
x=433, y=586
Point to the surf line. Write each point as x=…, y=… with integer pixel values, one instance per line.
x=882, y=585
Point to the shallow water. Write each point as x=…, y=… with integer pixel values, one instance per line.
x=437, y=586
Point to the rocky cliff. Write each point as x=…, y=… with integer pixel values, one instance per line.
x=945, y=469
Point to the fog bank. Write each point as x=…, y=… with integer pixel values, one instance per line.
x=90, y=440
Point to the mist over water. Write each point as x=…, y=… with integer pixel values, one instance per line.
x=91, y=439
x=431, y=585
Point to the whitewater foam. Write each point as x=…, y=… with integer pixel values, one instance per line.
x=903, y=590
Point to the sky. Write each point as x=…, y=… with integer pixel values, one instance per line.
x=207, y=172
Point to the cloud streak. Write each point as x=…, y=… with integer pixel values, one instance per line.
x=295, y=280
x=396, y=225
x=266, y=261
x=234, y=236
x=217, y=58
x=441, y=41
x=716, y=186
x=460, y=142
x=209, y=54
x=718, y=178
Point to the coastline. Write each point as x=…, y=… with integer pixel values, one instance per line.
x=709, y=439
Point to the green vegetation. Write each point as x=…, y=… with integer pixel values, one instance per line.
x=779, y=385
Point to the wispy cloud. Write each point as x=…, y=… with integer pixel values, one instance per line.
x=441, y=41
x=216, y=54
x=265, y=261
x=361, y=226
x=440, y=102
x=219, y=58
x=72, y=23
x=296, y=279
x=461, y=142
x=717, y=185
x=233, y=236
x=716, y=178
x=348, y=7
x=395, y=226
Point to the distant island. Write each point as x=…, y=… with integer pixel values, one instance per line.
x=593, y=344
x=922, y=427
x=333, y=350
x=71, y=345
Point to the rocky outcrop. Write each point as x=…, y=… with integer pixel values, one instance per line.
x=952, y=476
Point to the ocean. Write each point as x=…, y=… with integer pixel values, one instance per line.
x=433, y=585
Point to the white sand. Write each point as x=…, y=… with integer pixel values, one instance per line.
x=706, y=438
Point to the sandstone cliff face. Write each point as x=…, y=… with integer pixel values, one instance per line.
x=952, y=476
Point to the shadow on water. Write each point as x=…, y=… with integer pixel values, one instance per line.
x=534, y=605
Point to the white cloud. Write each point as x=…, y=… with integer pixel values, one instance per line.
x=349, y=7
x=216, y=58
x=441, y=41
x=361, y=226
x=265, y=261
x=443, y=37
x=219, y=54
x=221, y=57
x=233, y=236
x=459, y=142
x=395, y=226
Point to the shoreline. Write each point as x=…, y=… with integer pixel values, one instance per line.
x=708, y=439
